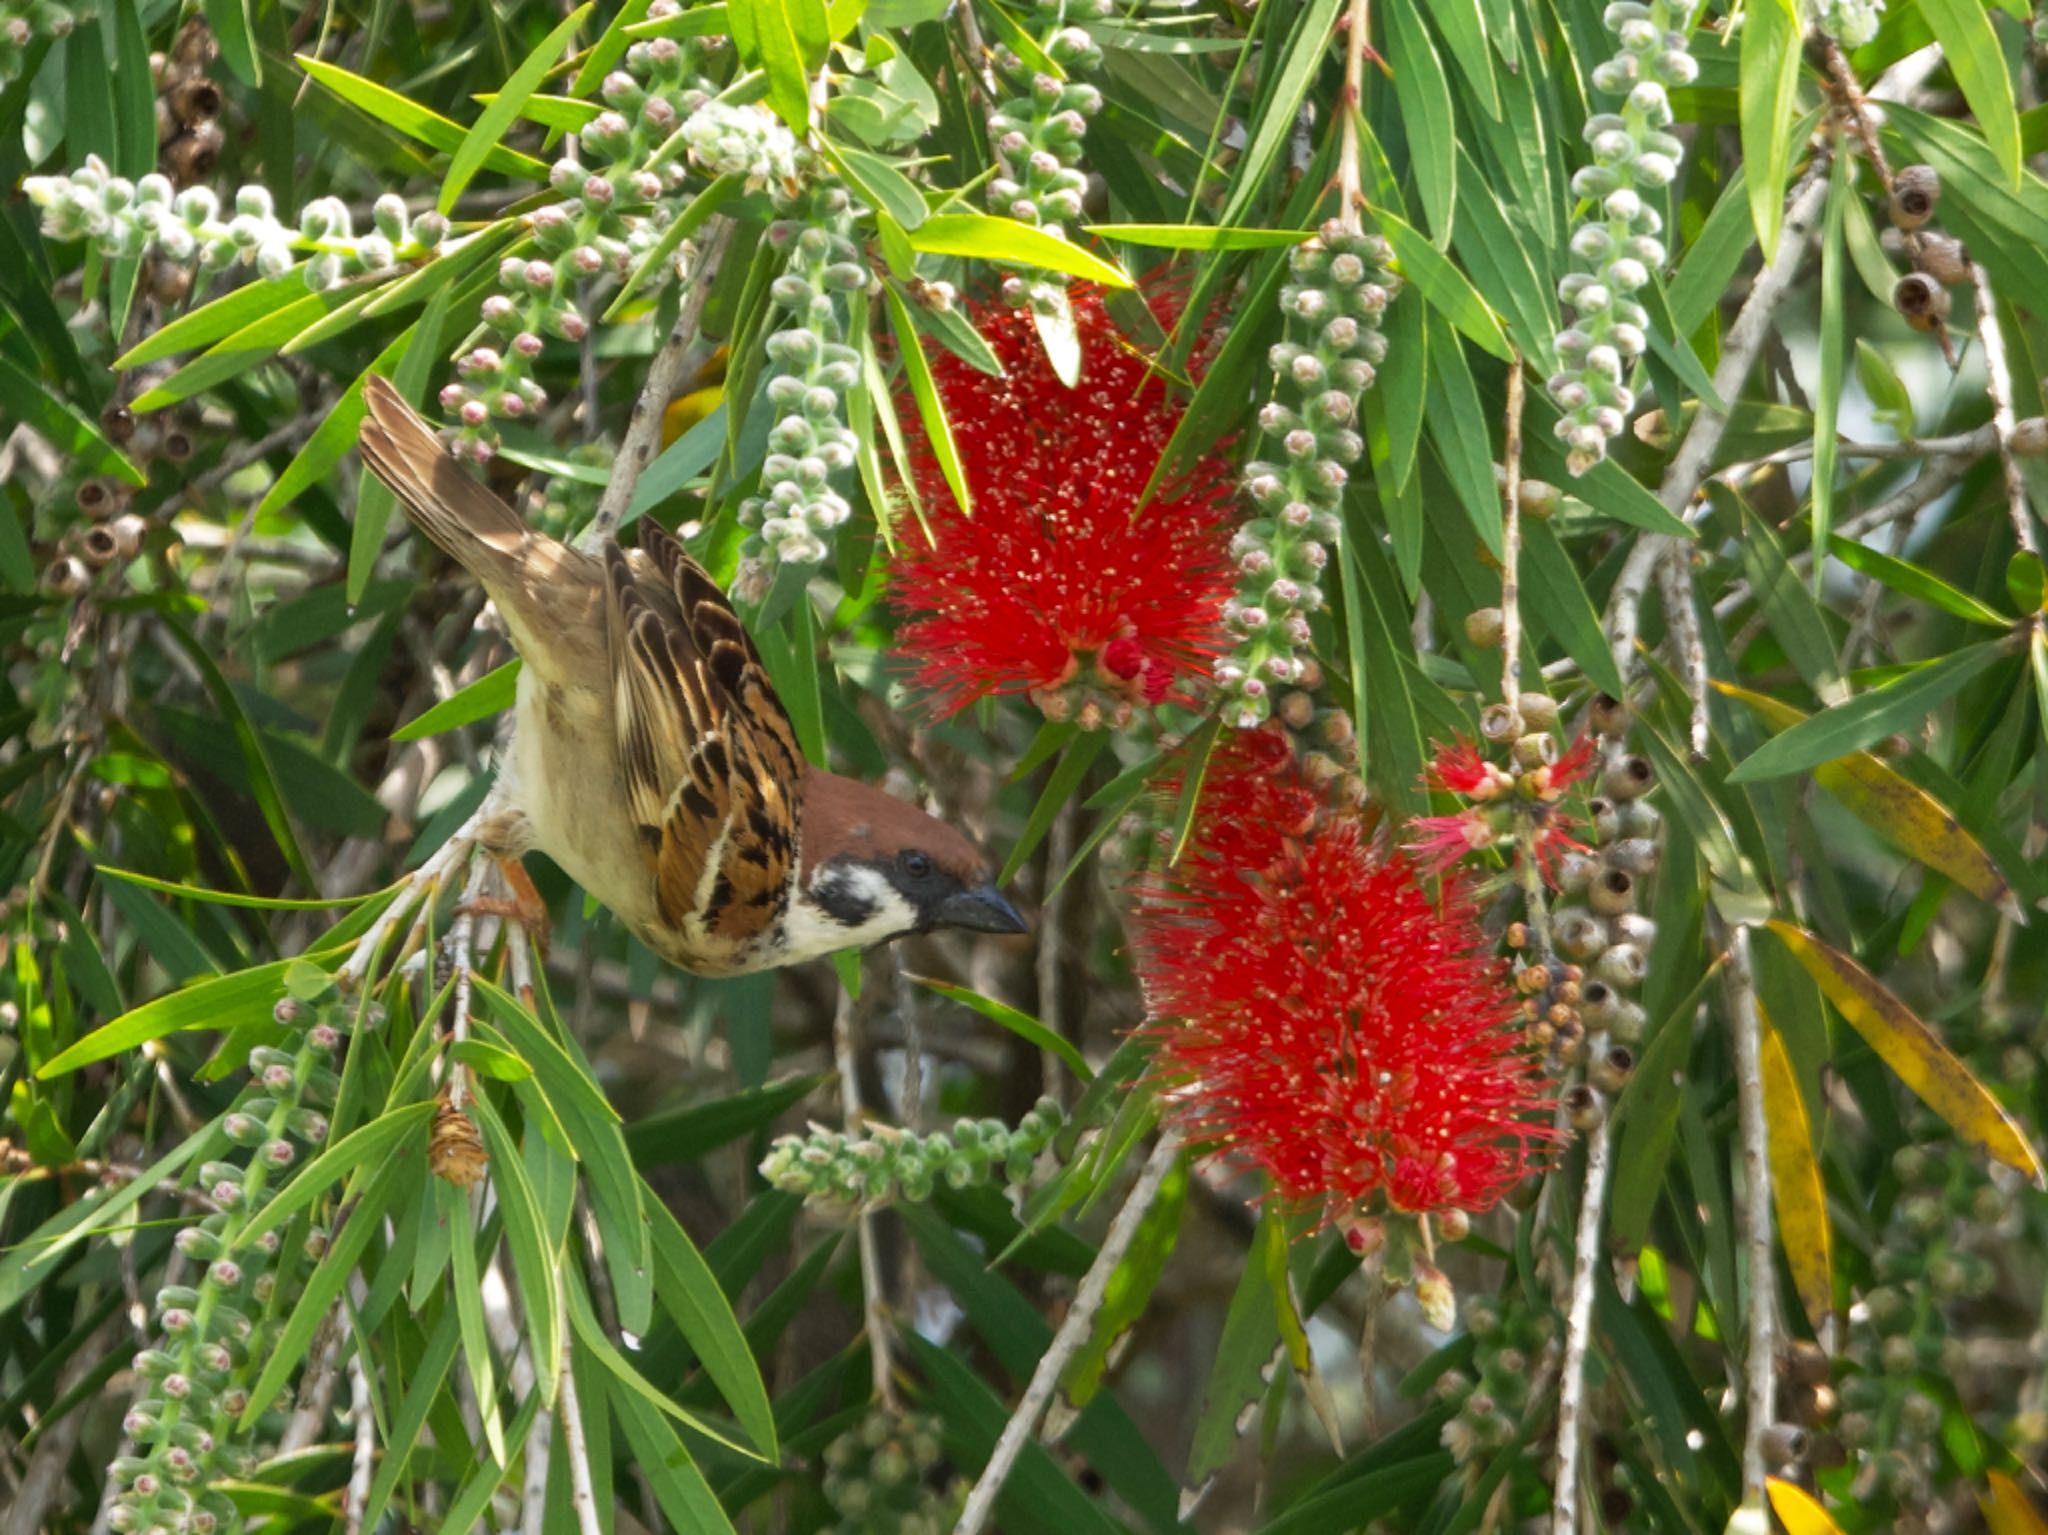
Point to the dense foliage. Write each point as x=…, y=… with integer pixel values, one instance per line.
x=1477, y=565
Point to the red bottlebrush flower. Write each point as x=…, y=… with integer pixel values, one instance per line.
x=1570, y=768
x=1057, y=586
x=1438, y=841
x=1319, y=1018
x=1462, y=769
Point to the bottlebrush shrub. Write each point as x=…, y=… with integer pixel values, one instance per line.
x=1058, y=587
x=873, y=1167
x=214, y=1333
x=1322, y=1021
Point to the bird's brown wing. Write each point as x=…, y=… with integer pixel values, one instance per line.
x=714, y=776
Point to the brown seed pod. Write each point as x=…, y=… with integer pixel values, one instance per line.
x=119, y=422
x=1623, y=966
x=1630, y=778
x=1539, y=499
x=2030, y=438
x=1484, y=627
x=1785, y=1444
x=1807, y=1363
x=196, y=46
x=1608, y=715
x=177, y=445
x=167, y=281
x=1943, y=258
x=1538, y=711
x=195, y=100
x=1613, y=1067
x=191, y=157
x=1613, y=891
x=98, y=545
x=1498, y=723
x=67, y=577
x=128, y=531
x=1922, y=301
x=167, y=125
x=1534, y=750
x=1915, y=190
x=97, y=497
x=1583, y=1107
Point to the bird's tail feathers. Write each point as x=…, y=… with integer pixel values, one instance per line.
x=462, y=518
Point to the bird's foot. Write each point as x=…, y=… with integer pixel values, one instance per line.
x=520, y=902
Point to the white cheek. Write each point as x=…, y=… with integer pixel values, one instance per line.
x=811, y=931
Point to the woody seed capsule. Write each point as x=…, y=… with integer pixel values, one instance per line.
x=1914, y=192
x=1484, y=627
x=1923, y=302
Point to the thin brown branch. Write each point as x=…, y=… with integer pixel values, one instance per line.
x=1511, y=546
x=1998, y=384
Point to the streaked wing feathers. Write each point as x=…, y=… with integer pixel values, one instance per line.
x=713, y=773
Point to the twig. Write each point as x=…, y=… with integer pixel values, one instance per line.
x=539, y=1457
x=1350, y=184
x=1074, y=1330
x=47, y=1476
x=461, y=937
x=978, y=52
x=874, y=1304
x=1511, y=546
x=356, y=1501
x=1682, y=621
x=1971, y=445
x=1935, y=481
x=1571, y=1389
x=670, y=367
x=418, y=894
x=582, y=1496
x=1998, y=384
x=1739, y=985
x=317, y=1386
x=1739, y=350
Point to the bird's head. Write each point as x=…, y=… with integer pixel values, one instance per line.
x=876, y=868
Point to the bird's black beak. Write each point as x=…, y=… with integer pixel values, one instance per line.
x=983, y=910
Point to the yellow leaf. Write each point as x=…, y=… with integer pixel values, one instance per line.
x=1799, y=1511
x=1897, y=809
x=1795, y=1181
x=1912, y=1051
x=2008, y=1510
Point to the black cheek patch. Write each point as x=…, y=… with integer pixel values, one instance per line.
x=842, y=903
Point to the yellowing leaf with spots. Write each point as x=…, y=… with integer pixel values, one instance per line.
x=1799, y=1511
x=2008, y=1510
x=1912, y=1051
x=1796, y=1187
x=1896, y=808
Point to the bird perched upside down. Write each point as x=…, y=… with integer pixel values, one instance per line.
x=651, y=758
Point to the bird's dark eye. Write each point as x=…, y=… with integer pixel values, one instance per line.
x=914, y=865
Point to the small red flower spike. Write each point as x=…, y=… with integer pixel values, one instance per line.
x=1058, y=587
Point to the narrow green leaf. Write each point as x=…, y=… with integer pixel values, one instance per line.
x=1424, y=94
x=368, y=1143
x=422, y=1385
x=685, y=224
x=478, y=1362
x=1446, y=289
x=232, y=29
x=1464, y=33
x=1059, y=788
x=590, y=1334
x=1501, y=265
x=1306, y=50
x=686, y=1499
x=690, y=1294
x=881, y=185
x=674, y=1136
x=24, y=399
x=1847, y=727
x=1915, y=582
x=534, y=1260
x=333, y=440
x=1770, y=89
x=255, y=756
x=503, y=111
x=986, y=237
x=931, y=409
x=780, y=38
x=288, y=1352
x=235, y=897
x=1456, y=422
x=490, y=694
x=256, y=342
x=1971, y=50
x=1019, y=1023
x=413, y=120
x=1786, y=602
x=223, y=316
x=1557, y=601
x=1251, y=1336
x=1198, y=237
x=376, y=501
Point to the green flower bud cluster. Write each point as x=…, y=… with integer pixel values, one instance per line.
x=879, y=1477
x=1852, y=23
x=1340, y=291
x=21, y=25
x=211, y=1333
x=810, y=445
x=616, y=202
x=133, y=218
x=1617, y=247
x=1929, y=1262
x=1038, y=133
x=871, y=1169
x=1510, y=1338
